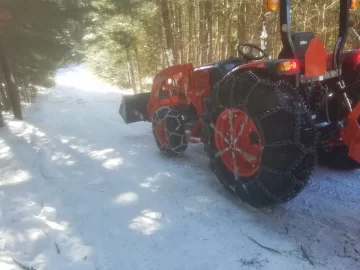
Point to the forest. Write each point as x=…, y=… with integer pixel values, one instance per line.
x=127, y=42
x=131, y=40
x=36, y=38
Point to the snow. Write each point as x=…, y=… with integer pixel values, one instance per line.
x=80, y=190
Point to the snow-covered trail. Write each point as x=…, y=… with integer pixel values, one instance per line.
x=79, y=189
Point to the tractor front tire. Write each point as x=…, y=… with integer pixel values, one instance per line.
x=168, y=127
x=260, y=139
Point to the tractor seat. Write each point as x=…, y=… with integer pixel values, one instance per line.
x=301, y=42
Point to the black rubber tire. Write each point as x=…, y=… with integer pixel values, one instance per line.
x=280, y=116
x=175, y=130
x=337, y=158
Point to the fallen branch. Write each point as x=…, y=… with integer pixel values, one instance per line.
x=260, y=245
x=253, y=261
x=57, y=248
x=264, y=247
x=23, y=266
x=306, y=256
x=44, y=232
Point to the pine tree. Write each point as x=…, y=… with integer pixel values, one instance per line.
x=42, y=36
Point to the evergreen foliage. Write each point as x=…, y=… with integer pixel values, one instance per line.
x=127, y=40
x=42, y=36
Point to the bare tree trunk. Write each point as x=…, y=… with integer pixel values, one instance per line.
x=241, y=34
x=264, y=32
x=168, y=32
x=197, y=45
x=13, y=91
x=191, y=43
x=218, y=31
x=136, y=51
x=4, y=98
x=209, y=30
x=4, y=104
x=163, y=59
x=137, y=59
x=228, y=29
x=131, y=70
x=1, y=119
x=180, y=35
x=203, y=31
x=222, y=28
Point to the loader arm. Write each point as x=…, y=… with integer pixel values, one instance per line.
x=174, y=92
x=170, y=88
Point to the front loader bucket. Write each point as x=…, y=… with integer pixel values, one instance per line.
x=133, y=108
x=351, y=133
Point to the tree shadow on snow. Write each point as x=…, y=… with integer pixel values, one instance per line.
x=32, y=232
x=121, y=196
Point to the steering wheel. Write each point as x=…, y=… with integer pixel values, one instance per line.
x=246, y=50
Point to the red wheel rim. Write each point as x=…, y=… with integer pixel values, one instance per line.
x=161, y=133
x=241, y=148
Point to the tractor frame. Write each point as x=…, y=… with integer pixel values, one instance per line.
x=331, y=78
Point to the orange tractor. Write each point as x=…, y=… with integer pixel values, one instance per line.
x=264, y=123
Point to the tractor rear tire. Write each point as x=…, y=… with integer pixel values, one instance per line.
x=168, y=127
x=274, y=154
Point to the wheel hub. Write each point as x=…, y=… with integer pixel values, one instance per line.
x=238, y=141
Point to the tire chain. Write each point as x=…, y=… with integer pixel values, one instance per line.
x=178, y=150
x=297, y=111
